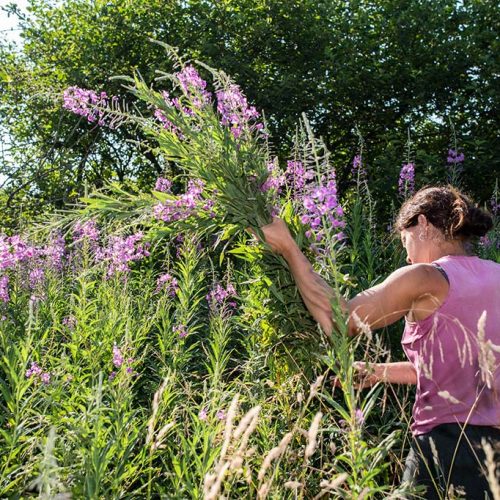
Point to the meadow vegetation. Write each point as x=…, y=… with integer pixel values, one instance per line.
x=152, y=347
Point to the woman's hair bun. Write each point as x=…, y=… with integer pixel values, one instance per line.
x=474, y=222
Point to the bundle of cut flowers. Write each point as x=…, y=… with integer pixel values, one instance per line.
x=229, y=180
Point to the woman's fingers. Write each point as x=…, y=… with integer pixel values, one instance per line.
x=360, y=366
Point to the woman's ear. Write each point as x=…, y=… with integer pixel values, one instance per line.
x=422, y=221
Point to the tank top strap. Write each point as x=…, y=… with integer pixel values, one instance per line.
x=442, y=271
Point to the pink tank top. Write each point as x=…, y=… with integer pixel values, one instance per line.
x=457, y=363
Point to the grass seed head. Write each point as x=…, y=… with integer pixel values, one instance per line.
x=312, y=435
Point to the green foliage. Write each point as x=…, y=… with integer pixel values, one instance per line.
x=167, y=426
x=385, y=67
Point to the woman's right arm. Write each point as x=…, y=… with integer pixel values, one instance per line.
x=379, y=306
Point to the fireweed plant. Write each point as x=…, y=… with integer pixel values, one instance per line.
x=230, y=181
x=152, y=348
x=170, y=391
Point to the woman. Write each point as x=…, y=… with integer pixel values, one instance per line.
x=451, y=304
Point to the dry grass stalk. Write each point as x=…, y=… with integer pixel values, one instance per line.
x=486, y=357
x=236, y=463
x=328, y=487
x=303, y=432
x=363, y=327
x=427, y=370
x=246, y=421
x=229, y=426
x=275, y=453
x=213, y=481
x=461, y=351
x=467, y=350
x=246, y=427
x=435, y=456
x=364, y=493
x=161, y=434
x=247, y=474
x=335, y=483
x=315, y=386
x=455, y=492
x=156, y=404
x=212, y=487
x=446, y=395
x=208, y=481
x=293, y=485
x=263, y=491
x=491, y=466
x=312, y=435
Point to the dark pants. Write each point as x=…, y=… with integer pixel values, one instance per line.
x=452, y=455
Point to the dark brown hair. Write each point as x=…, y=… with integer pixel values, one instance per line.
x=448, y=209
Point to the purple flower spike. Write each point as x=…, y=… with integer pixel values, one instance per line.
x=357, y=167
x=88, y=104
x=117, y=356
x=485, y=241
x=219, y=298
x=87, y=233
x=36, y=278
x=163, y=185
x=54, y=252
x=167, y=124
x=181, y=331
x=407, y=179
x=186, y=205
x=69, y=322
x=234, y=110
x=120, y=252
x=275, y=181
x=297, y=177
x=454, y=157
x=169, y=283
x=359, y=417
x=4, y=289
x=321, y=205
x=37, y=373
x=194, y=86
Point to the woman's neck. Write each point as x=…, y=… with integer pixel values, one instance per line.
x=445, y=248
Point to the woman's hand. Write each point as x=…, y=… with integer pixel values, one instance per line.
x=365, y=375
x=278, y=237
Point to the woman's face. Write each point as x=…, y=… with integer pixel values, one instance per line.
x=416, y=244
x=408, y=238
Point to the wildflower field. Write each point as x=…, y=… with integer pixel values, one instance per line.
x=153, y=347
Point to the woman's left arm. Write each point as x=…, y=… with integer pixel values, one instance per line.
x=392, y=299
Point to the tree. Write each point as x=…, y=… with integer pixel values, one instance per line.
x=385, y=67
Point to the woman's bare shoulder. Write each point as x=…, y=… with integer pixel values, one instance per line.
x=424, y=279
